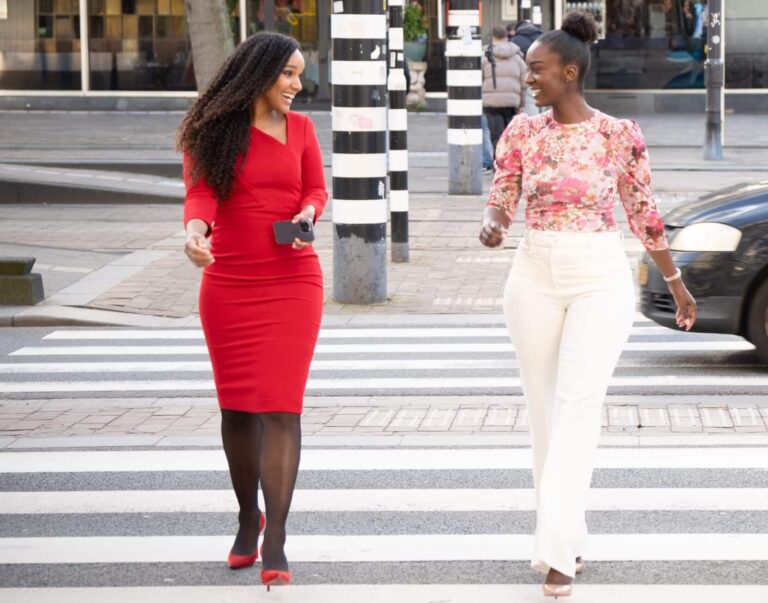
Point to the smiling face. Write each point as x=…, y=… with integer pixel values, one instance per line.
x=280, y=96
x=549, y=79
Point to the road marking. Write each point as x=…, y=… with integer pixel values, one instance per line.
x=375, y=348
x=436, y=332
x=383, y=383
x=382, y=500
x=400, y=548
x=365, y=459
x=386, y=593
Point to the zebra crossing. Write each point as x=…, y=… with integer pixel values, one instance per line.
x=417, y=525
x=350, y=361
x=380, y=523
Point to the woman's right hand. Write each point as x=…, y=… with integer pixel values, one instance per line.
x=492, y=233
x=197, y=249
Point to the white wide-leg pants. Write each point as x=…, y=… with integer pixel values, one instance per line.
x=569, y=305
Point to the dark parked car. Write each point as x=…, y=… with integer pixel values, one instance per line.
x=720, y=243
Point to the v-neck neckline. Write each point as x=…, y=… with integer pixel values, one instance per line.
x=277, y=140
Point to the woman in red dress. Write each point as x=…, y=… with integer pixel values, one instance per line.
x=248, y=162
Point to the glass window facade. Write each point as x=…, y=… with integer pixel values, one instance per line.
x=40, y=45
x=656, y=44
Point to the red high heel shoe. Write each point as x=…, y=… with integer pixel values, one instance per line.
x=274, y=577
x=241, y=561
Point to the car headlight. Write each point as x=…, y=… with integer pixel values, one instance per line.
x=706, y=236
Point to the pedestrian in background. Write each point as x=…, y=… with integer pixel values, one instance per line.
x=503, y=100
x=523, y=34
x=569, y=301
x=249, y=162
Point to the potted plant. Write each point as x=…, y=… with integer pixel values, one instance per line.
x=414, y=32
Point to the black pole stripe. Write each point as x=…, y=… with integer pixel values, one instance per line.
x=358, y=189
x=360, y=142
x=399, y=226
x=398, y=140
x=460, y=63
x=397, y=99
x=464, y=5
x=398, y=181
x=361, y=7
x=350, y=49
x=465, y=92
x=465, y=122
x=347, y=95
x=456, y=32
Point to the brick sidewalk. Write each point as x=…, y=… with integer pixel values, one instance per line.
x=378, y=417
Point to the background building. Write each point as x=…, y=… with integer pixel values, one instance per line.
x=650, y=57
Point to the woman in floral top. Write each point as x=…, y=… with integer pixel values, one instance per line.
x=569, y=301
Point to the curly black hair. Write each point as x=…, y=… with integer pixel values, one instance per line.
x=216, y=130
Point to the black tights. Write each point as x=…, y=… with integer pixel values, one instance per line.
x=262, y=448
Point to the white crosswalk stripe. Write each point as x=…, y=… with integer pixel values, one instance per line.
x=400, y=360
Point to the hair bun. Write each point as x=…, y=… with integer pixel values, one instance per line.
x=581, y=25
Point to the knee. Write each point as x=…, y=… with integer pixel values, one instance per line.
x=281, y=421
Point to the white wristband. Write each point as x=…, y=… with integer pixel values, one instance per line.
x=674, y=277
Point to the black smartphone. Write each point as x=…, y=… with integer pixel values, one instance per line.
x=286, y=231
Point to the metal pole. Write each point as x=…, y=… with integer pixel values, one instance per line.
x=464, y=78
x=525, y=10
x=359, y=122
x=714, y=77
x=85, y=58
x=398, y=135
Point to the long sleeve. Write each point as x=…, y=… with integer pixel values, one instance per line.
x=200, y=199
x=634, y=186
x=314, y=191
x=508, y=179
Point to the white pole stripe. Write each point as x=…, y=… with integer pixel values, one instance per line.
x=398, y=120
x=396, y=81
x=398, y=161
x=396, y=38
x=353, y=459
x=359, y=119
x=359, y=73
x=402, y=548
x=465, y=107
x=367, y=27
x=371, y=211
x=457, y=18
x=465, y=137
x=466, y=78
x=359, y=165
x=382, y=500
x=457, y=48
x=398, y=200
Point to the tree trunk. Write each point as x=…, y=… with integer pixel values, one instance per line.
x=210, y=36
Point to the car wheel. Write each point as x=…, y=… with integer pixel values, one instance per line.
x=757, y=322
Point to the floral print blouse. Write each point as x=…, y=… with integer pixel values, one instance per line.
x=571, y=174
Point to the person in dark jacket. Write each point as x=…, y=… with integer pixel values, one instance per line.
x=524, y=34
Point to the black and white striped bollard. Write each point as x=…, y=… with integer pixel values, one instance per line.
x=359, y=122
x=464, y=79
x=398, y=136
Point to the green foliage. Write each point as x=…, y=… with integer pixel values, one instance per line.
x=414, y=23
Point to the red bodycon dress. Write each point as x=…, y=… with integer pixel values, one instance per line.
x=261, y=303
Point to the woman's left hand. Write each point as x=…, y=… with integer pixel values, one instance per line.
x=686, y=305
x=306, y=213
